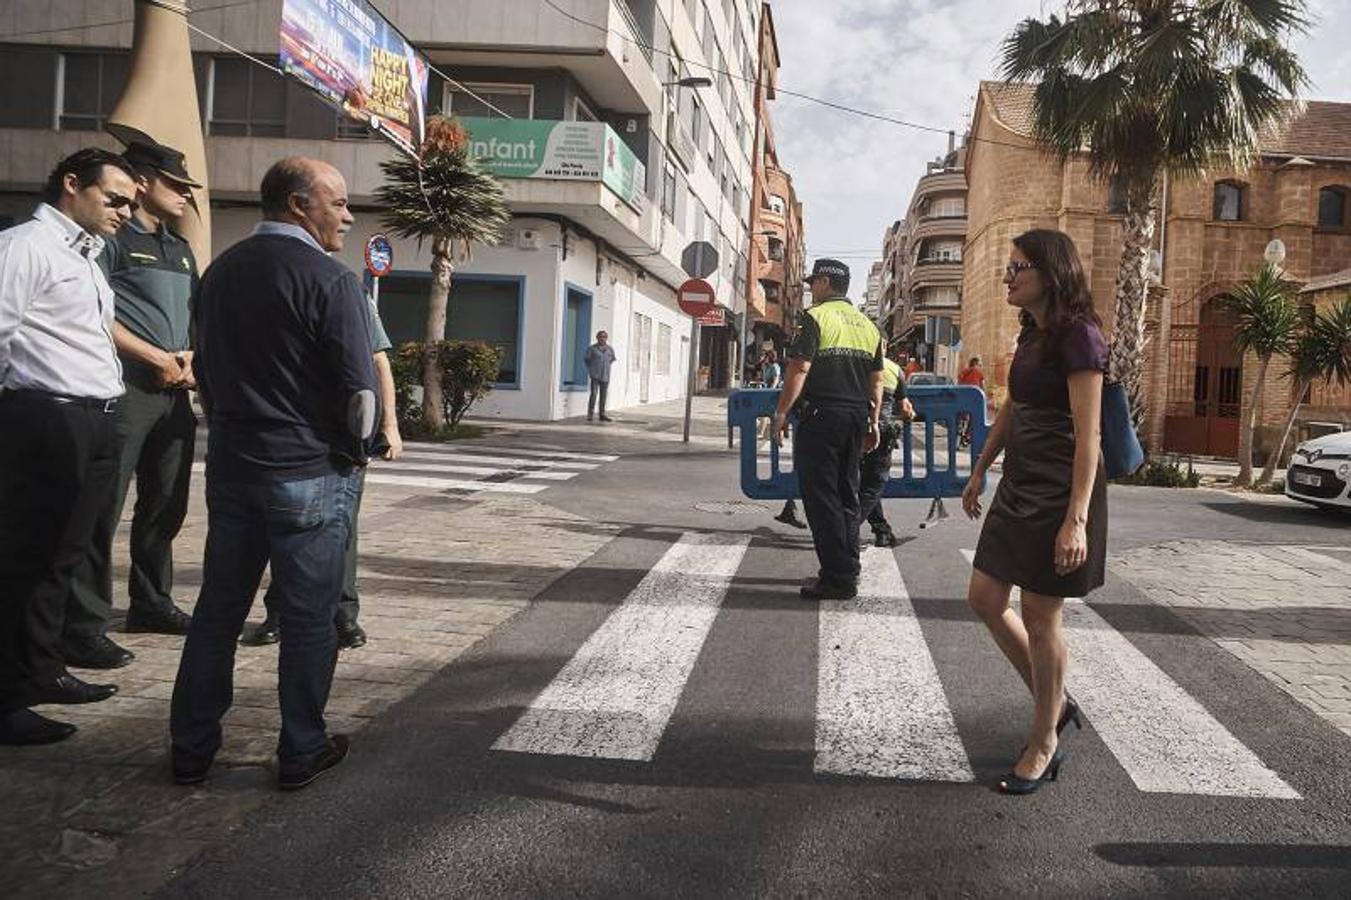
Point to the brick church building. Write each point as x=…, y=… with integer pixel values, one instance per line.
x=1212, y=231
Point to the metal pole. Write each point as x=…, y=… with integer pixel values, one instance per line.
x=694, y=374
x=375, y=292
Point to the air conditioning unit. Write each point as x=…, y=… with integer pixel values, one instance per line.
x=527, y=239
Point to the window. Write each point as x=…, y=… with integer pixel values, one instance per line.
x=246, y=99
x=663, y=349
x=697, y=124
x=696, y=217
x=668, y=190
x=777, y=204
x=576, y=337
x=482, y=308
x=1332, y=207
x=1228, y=202
x=775, y=249
x=581, y=112
x=1116, y=195
x=91, y=83
x=516, y=100
x=640, y=322
x=946, y=208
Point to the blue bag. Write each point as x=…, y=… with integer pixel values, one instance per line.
x=1122, y=454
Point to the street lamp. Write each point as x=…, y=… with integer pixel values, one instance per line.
x=693, y=82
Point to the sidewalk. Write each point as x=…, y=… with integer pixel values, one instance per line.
x=663, y=422
x=97, y=815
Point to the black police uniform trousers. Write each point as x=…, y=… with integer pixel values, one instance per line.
x=157, y=431
x=58, y=467
x=827, y=448
x=873, y=474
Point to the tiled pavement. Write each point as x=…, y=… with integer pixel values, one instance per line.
x=96, y=815
x=1283, y=610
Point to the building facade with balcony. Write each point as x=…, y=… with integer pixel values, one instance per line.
x=580, y=255
x=895, y=269
x=1212, y=231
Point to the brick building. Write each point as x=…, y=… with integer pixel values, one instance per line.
x=1212, y=231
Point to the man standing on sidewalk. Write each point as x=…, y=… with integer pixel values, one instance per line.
x=154, y=275
x=600, y=356
x=284, y=369
x=59, y=384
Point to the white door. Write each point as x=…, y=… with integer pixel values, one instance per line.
x=644, y=358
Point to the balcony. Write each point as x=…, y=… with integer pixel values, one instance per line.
x=939, y=226
x=933, y=273
x=945, y=181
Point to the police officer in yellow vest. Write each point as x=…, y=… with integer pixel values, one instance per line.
x=834, y=383
x=876, y=466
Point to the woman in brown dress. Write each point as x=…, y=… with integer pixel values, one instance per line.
x=1046, y=531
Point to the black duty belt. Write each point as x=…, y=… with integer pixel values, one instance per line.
x=102, y=405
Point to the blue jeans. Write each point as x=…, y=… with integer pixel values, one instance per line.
x=301, y=528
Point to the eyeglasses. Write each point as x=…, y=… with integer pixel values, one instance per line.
x=1012, y=269
x=114, y=200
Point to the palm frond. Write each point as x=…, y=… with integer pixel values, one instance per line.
x=1266, y=317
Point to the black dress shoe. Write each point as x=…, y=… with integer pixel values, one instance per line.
x=188, y=771
x=97, y=653
x=266, y=632
x=330, y=756
x=168, y=621
x=351, y=635
x=884, y=539
x=23, y=726
x=69, y=689
x=789, y=517
x=828, y=590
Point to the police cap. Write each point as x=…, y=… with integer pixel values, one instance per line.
x=833, y=268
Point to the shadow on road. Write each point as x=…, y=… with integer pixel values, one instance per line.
x=1243, y=856
x=1277, y=514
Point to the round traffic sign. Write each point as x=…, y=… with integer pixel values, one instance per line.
x=696, y=297
x=379, y=256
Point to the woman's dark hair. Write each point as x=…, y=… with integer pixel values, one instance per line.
x=1068, y=297
x=87, y=167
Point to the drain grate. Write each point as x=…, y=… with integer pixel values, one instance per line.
x=731, y=507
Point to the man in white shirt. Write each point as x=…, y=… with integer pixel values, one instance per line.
x=59, y=384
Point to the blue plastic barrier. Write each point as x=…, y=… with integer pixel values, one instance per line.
x=936, y=406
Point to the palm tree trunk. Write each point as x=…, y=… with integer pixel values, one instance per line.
x=433, y=405
x=1245, y=438
x=1269, y=470
x=1126, y=362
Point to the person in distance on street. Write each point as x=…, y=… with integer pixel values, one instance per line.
x=1046, y=530
x=154, y=275
x=285, y=374
x=600, y=356
x=834, y=383
x=60, y=381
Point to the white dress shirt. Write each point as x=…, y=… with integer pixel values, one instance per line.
x=56, y=310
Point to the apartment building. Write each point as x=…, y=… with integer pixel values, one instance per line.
x=872, y=297
x=580, y=255
x=894, y=270
x=1293, y=203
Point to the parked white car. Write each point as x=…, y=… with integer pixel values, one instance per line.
x=1320, y=472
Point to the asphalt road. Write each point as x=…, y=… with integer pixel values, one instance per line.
x=670, y=719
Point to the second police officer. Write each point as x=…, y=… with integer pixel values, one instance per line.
x=834, y=383
x=876, y=466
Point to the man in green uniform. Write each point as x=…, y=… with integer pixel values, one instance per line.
x=154, y=276
x=876, y=466
x=835, y=383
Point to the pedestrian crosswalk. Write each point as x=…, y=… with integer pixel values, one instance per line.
x=882, y=709
x=480, y=469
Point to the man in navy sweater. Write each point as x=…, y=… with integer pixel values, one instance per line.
x=284, y=371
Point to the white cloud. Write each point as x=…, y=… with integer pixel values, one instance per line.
x=918, y=60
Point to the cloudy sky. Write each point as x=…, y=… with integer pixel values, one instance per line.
x=918, y=60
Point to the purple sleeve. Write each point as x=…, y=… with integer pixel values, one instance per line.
x=1083, y=348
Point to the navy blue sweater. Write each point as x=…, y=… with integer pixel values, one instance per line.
x=283, y=344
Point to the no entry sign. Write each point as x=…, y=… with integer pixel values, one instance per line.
x=379, y=256
x=696, y=297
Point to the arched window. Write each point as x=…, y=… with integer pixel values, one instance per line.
x=1228, y=201
x=1332, y=207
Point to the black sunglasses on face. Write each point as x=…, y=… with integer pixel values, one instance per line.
x=114, y=200
x=1012, y=269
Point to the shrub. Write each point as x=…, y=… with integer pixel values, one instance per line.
x=468, y=371
x=1163, y=473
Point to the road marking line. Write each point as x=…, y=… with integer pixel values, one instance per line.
x=445, y=484
x=881, y=710
x=1167, y=742
x=400, y=464
x=616, y=695
x=542, y=454
x=482, y=458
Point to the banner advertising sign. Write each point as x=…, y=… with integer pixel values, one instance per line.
x=360, y=63
x=569, y=151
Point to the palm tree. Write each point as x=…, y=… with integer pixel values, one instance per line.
x=446, y=196
x=1151, y=88
x=1267, y=323
x=1322, y=353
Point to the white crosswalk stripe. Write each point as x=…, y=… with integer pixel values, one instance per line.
x=1165, y=740
x=880, y=708
x=479, y=469
x=615, y=696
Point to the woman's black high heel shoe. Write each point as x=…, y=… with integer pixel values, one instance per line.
x=1069, y=713
x=1013, y=784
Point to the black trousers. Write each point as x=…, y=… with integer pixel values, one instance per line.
x=156, y=430
x=349, y=604
x=873, y=474
x=597, y=387
x=827, y=449
x=58, y=467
